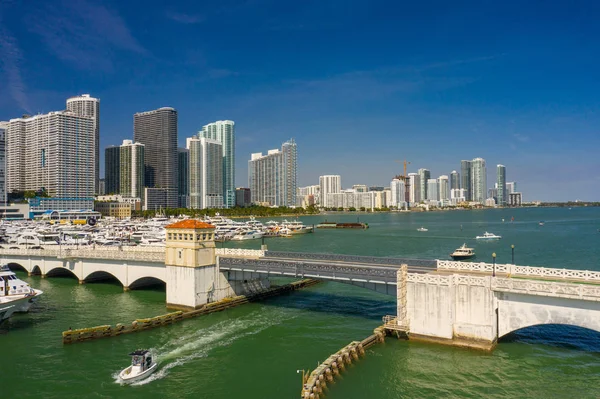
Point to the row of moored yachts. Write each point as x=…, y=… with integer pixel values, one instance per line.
x=151, y=232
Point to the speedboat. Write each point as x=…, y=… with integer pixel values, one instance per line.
x=422, y=229
x=463, y=253
x=541, y=223
x=488, y=236
x=142, y=365
x=15, y=294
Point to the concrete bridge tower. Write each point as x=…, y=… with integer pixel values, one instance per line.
x=192, y=274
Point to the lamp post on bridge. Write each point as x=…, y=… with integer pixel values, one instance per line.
x=512, y=247
x=494, y=264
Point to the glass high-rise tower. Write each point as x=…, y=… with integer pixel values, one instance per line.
x=454, y=180
x=224, y=133
x=131, y=169
x=501, y=182
x=467, y=179
x=424, y=176
x=479, y=180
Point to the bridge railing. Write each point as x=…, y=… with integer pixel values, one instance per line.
x=524, y=271
x=352, y=258
x=547, y=288
x=252, y=253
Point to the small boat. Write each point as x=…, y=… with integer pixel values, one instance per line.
x=422, y=229
x=488, y=236
x=15, y=294
x=541, y=223
x=462, y=253
x=142, y=365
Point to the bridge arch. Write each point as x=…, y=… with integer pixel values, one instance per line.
x=36, y=270
x=61, y=272
x=148, y=281
x=102, y=276
x=16, y=266
x=563, y=335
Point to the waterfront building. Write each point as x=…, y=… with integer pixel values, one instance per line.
x=414, y=194
x=352, y=199
x=329, y=184
x=511, y=187
x=112, y=174
x=379, y=199
x=117, y=210
x=3, y=128
x=387, y=191
x=361, y=188
x=101, y=187
x=131, y=169
x=454, y=180
x=493, y=193
x=443, y=188
x=243, y=197
x=135, y=203
x=457, y=196
x=40, y=205
x=155, y=198
x=479, y=179
x=515, y=199
x=501, y=184
x=432, y=190
x=157, y=130
x=15, y=211
x=183, y=160
x=224, y=133
x=308, y=195
x=490, y=202
x=206, y=173
x=398, y=189
x=54, y=152
x=85, y=105
x=272, y=177
x=424, y=176
x=467, y=179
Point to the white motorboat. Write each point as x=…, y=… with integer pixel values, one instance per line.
x=422, y=229
x=15, y=294
x=142, y=365
x=297, y=227
x=488, y=236
x=248, y=235
x=462, y=253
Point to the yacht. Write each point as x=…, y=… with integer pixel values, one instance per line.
x=297, y=227
x=15, y=294
x=488, y=236
x=422, y=229
x=462, y=253
x=142, y=365
x=248, y=235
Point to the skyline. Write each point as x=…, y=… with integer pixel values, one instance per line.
x=511, y=85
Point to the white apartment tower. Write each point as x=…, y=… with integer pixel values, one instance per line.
x=3, y=128
x=85, y=105
x=432, y=190
x=479, y=180
x=414, y=195
x=398, y=188
x=444, y=188
x=272, y=178
x=224, y=133
x=329, y=184
x=205, y=173
x=131, y=169
x=55, y=152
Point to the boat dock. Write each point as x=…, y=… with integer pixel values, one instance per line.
x=334, y=225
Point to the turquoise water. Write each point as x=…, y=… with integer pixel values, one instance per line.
x=254, y=351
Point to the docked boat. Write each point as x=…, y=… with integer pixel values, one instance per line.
x=15, y=294
x=248, y=235
x=142, y=365
x=422, y=229
x=488, y=236
x=462, y=253
x=297, y=227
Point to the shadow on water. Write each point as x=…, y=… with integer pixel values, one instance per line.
x=334, y=304
x=22, y=323
x=557, y=335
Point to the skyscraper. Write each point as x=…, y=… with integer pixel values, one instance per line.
x=443, y=189
x=329, y=184
x=501, y=182
x=415, y=188
x=432, y=190
x=206, y=173
x=84, y=105
x=424, y=176
x=511, y=187
x=54, y=152
x=272, y=177
x=183, y=168
x=454, y=180
x=479, y=179
x=3, y=128
x=131, y=170
x=398, y=188
x=224, y=132
x=467, y=179
x=157, y=130
x=112, y=167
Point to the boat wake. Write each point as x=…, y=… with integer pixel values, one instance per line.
x=200, y=343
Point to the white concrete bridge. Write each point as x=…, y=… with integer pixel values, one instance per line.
x=460, y=303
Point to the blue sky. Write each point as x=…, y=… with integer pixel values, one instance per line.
x=357, y=84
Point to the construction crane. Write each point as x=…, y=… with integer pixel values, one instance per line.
x=404, y=177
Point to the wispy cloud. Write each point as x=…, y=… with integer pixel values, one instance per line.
x=520, y=137
x=10, y=60
x=183, y=18
x=84, y=33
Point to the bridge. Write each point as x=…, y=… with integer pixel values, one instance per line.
x=460, y=303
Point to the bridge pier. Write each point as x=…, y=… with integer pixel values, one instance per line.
x=125, y=288
x=81, y=282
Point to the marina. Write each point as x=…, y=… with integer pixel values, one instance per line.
x=321, y=319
